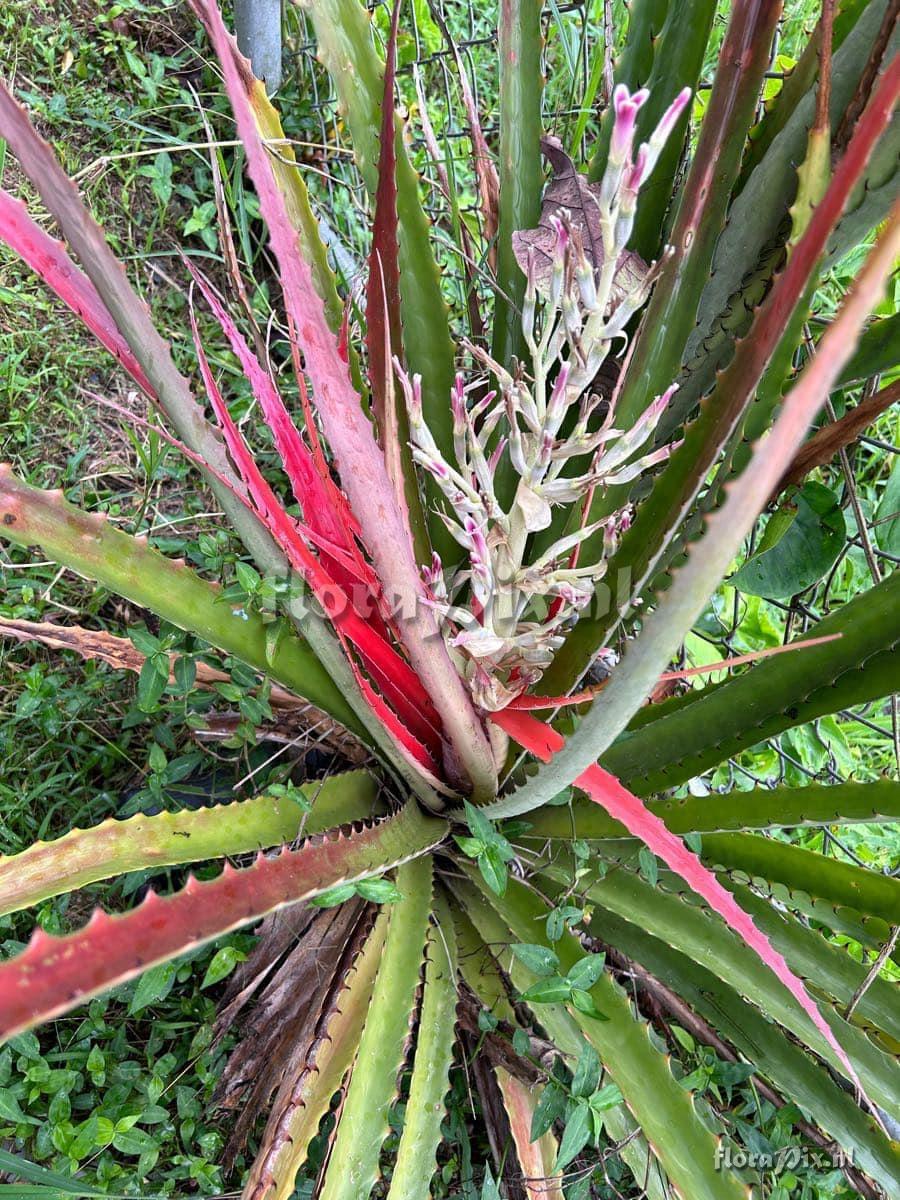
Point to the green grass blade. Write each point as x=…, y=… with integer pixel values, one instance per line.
x=363, y=1124
x=84, y=856
x=415, y=1163
x=52, y=1181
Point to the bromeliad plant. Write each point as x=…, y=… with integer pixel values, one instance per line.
x=458, y=512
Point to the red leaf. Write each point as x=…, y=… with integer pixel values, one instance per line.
x=393, y=673
x=56, y=973
x=604, y=789
x=324, y=506
x=359, y=461
x=48, y=258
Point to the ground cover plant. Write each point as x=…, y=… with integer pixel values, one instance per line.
x=456, y=532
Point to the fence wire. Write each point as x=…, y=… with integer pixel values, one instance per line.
x=449, y=36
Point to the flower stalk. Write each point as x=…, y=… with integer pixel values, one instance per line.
x=503, y=612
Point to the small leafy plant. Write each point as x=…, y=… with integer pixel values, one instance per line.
x=441, y=572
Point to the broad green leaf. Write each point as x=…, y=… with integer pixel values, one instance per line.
x=585, y=973
x=586, y=1076
x=548, y=991
x=805, y=551
x=578, y=1131
x=887, y=515
x=549, y=1109
x=154, y=985
x=539, y=959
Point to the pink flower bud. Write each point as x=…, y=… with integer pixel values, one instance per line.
x=673, y=112
x=562, y=236
x=626, y=108
x=558, y=395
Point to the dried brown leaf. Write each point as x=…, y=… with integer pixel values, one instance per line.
x=570, y=197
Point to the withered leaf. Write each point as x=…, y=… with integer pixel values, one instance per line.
x=571, y=196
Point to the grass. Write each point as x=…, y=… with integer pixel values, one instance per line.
x=120, y=1091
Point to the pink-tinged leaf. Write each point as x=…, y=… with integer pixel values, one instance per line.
x=48, y=258
x=55, y=974
x=393, y=673
x=324, y=506
x=604, y=789
x=383, y=330
x=359, y=461
x=536, y=1158
x=322, y=543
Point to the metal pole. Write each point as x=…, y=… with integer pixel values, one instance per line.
x=258, y=28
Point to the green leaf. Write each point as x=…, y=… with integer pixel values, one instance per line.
x=586, y=971
x=151, y=685
x=334, y=896
x=538, y=959
x=493, y=868
x=549, y=1108
x=887, y=515
x=607, y=1097
x=584, y=1002
x=248, y=577
x=379, y=891
x=806, y=548
x=478, y=823
x=10, y=1109
x=470, y=846
x=548, y=991
x=648, y=864
x=586, y=1076
x=489, y=1189
x=134, y=1142
x=577, y=1134
x=153, y=985
x=142, y=639
x=185, y=671
x=223, y=963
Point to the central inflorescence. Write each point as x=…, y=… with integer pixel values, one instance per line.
x=506, y=608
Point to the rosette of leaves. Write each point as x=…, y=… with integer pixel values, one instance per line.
x=523, y=895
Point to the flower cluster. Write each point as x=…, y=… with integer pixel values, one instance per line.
x=506, y=609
